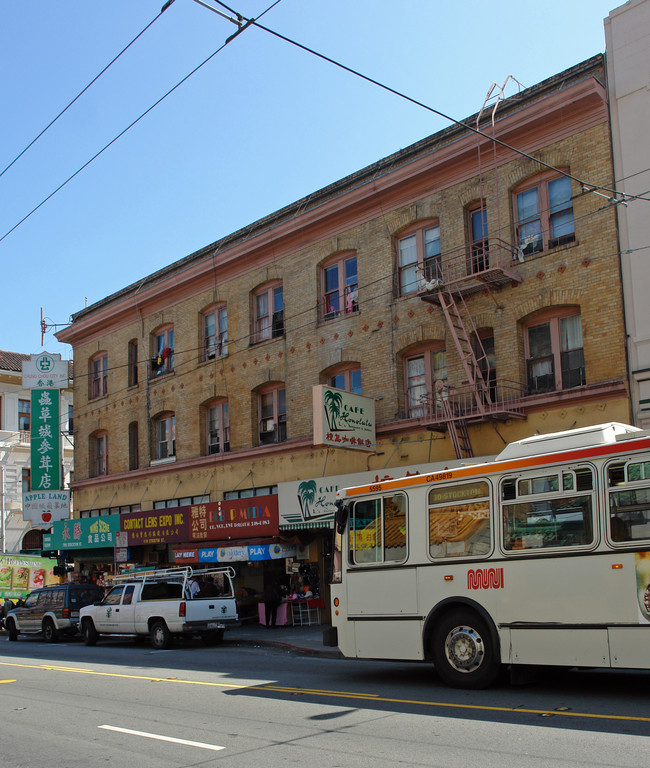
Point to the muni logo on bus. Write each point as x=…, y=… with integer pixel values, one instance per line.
x=485, y=578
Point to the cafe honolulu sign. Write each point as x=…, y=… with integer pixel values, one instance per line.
x=343, y=419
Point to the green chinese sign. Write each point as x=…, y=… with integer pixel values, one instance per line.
x=86, y=533
x=45, y=440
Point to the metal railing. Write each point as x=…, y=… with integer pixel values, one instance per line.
x=464, y=403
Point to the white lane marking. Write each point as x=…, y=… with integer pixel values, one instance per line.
x=146, y=735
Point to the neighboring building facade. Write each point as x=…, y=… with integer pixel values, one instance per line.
x=472, y=293
x=627, y=36
x=15, y=459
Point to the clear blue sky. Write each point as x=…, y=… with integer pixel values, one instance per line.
x=259, y=126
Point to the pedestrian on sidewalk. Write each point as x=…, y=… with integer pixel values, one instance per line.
x=272, y=600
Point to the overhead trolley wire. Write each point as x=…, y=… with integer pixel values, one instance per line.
x=243, y=24
x=81, y=93
x=246, y=23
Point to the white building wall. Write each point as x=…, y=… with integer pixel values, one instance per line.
x=627, y=38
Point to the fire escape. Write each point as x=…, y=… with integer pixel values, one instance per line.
x=485, y=266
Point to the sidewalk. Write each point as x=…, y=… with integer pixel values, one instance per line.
x=306, y=640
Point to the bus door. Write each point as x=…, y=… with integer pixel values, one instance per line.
x=381, y=590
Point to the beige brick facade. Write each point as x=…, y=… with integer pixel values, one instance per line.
x=365, y=214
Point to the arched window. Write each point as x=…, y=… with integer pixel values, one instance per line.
x=164, y=435
x=98, y=375
x=339, y=285
x=418, y=256
x=423, y=367
x=214, y=332
x=268, y=312
x=217, y=427
x=554, y=353
x=162, y=351
x=134, y=447
x=345, y=376
x=133, y=363
x=483, y=346
x=477, y=229
x=99, y=453
x=543, y=211
x=272, y=413
x=33, y=540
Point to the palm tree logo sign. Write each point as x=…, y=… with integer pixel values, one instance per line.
x=333, y=403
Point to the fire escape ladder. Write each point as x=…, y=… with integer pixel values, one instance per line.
x=475, y=363
x=458, y=432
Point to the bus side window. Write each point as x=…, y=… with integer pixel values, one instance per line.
x=459, y=520
x=629, y=500
x=378, y=530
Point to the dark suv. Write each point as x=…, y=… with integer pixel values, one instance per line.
x=52, y=610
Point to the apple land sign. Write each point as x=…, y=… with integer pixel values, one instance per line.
x=43, y=508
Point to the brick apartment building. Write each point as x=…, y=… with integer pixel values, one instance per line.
x=471, y=290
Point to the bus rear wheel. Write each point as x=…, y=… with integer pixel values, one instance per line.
x=463, y=651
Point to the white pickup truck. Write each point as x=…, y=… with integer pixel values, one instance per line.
x=158, y=605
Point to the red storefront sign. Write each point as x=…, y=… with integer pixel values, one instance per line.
x=157, y=526
x=237, y=518
x=186, y=556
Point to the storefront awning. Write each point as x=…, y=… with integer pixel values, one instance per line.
x=323, y=524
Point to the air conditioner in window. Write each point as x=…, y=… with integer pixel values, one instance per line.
x=268, y=425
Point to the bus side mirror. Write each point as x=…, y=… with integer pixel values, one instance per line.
x=340, y=516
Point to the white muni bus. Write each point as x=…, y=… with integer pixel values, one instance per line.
x=540, y=557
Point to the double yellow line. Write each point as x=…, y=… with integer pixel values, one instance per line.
x=331, y=694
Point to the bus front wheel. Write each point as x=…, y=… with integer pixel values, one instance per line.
x=464, y=654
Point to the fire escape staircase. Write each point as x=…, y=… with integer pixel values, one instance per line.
x=481, y=398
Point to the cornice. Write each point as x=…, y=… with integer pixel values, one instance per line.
x=530, y=126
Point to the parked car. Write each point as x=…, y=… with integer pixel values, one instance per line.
x=160, y=605
x=52, y=611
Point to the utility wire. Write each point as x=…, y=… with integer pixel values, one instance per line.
x=588, y=187
x=128, y=128
x=245, y=23
x=81, y=93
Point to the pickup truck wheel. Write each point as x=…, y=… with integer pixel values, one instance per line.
x=11, y=628
x=212, y=637
x=88, y=632
x=161, y=637
x=50, y=632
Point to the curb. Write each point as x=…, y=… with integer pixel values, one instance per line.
x=289, y=647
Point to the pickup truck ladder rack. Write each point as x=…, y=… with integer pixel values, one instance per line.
x=184, y=572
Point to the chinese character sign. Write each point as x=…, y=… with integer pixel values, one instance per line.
x=45, y=507
x=343, y=419
x=45, y=440
x=45, y=371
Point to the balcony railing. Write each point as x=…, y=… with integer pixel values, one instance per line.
x=506, y=401
x=471, y=269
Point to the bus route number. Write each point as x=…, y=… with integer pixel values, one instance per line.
x=439, y=476
x=375, y=488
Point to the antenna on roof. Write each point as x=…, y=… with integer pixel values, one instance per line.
x=45, y=326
